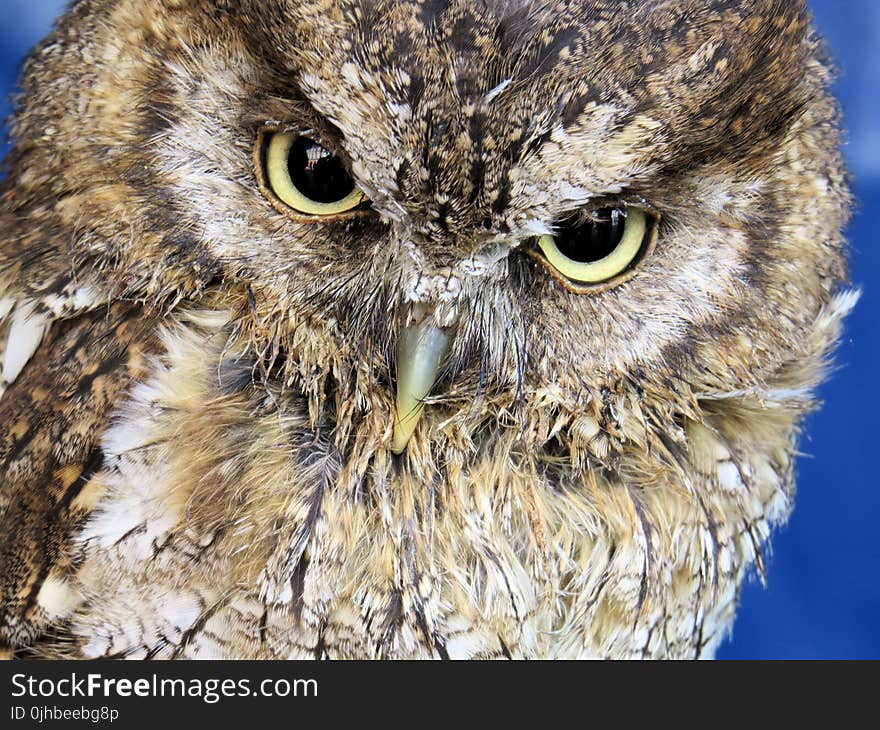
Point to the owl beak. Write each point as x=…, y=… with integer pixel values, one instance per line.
x=420, y=353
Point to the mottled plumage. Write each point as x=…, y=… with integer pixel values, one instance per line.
x=199, y=383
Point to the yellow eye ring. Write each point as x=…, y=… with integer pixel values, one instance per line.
x=587, y=258
x=308, y=178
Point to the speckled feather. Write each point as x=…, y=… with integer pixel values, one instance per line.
x=198, y=402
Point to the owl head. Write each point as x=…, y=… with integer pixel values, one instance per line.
x=581, y=255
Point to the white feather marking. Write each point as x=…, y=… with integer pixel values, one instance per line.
x=841, y=304
x=496, y=91
x=25, y=334
x=97, y=646
x=537, y=227
x=73, y=300
x=772, y=396
x=467, y=645
x=179, y=610
x=728, y=476
x=57, y=598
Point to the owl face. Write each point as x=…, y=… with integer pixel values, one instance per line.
x=521, y=210
x=463, y=328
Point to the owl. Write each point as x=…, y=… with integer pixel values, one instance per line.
x=411, y=328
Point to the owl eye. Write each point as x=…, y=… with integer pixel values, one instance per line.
x=307, y=177
x=600, y=249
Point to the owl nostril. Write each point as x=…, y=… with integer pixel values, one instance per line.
x=417, y=313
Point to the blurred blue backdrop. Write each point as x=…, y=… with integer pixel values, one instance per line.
x=823, y=593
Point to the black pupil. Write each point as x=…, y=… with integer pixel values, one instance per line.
x=591, y=240
x=316, y=173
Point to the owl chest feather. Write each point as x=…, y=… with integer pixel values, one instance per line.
x=225, y=525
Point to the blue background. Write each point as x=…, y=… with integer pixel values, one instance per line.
x=823, y=596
